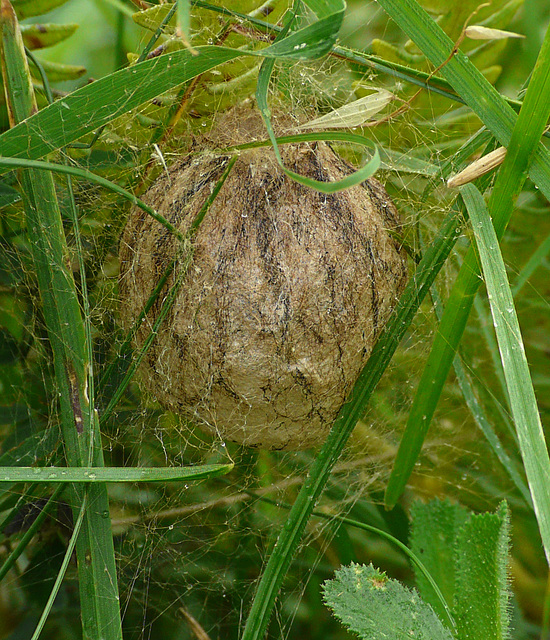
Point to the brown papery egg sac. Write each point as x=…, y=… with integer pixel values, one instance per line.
x=281, y=298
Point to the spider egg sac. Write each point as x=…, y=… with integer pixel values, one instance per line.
x=280, y=299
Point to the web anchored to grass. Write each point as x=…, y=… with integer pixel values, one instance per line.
x=204, y=544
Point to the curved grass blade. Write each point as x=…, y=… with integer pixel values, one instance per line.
x=366, y=171
x=516, y=368
x=97, y=475
x=523, y=145
x=352, y=410
x=93, y=177
x=62, y=570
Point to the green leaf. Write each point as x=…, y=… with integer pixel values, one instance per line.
x=95, y=475
x=376, y=607
x=482, y=594
x=434, y=530
x=28, y=8
x=39, y=36
x=58, y=72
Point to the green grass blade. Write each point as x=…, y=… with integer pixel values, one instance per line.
x=479, y=415
x=352, y=410
x=61, y=574
x=325, y=187
x=93, y=177
x=524, y=143
x=516, y=368
x=97, y=475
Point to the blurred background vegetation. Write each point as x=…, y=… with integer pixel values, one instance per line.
x=189, y=556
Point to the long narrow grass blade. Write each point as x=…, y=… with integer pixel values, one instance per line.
x=516, y=368
x=524, y=143
x=352, y=410
x=98, y=475
x=93, y=177
x=61, y=574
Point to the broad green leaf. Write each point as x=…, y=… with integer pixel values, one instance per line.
x=376, y=607
x=434, y=529
x=482, y=593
